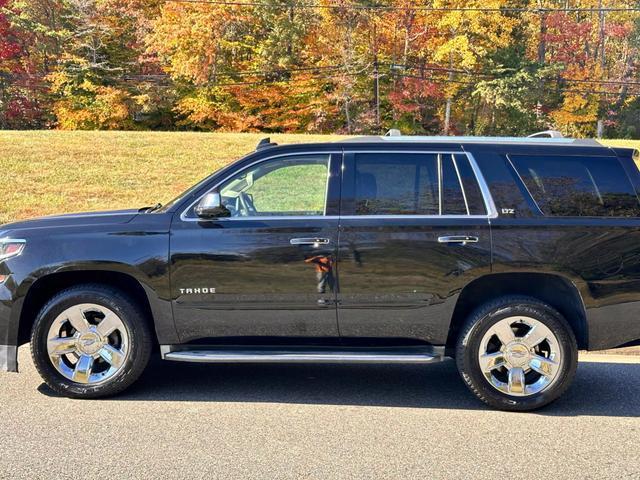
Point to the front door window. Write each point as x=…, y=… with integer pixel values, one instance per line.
x=289, y=186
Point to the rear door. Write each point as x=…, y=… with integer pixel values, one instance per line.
x=414, y=230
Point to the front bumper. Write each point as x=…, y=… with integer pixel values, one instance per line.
x=8, y=358
x=8, y=328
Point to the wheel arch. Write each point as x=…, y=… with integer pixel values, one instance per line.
x=553, y=289
x=45, y=287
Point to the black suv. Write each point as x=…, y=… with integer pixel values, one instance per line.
x=508, y=254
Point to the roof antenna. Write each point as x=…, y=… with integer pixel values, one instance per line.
x=394, y=132
x=265, y=143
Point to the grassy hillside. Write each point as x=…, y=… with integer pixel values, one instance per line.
x=46, y=172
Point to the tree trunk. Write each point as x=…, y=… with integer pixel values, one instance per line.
x=447, y=116
x=447, y=108
x=405, y=50
x=347, y=115
x=603, y=64
x=542, y=53
x=542, y=42
x=376, y=80
x=290, y=40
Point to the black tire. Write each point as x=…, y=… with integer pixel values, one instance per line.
x=130, y=314
x=469, y=343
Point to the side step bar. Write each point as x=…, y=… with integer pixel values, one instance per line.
x=307, y=355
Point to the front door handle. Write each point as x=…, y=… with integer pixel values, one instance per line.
x=458, y=239
x=316, y=242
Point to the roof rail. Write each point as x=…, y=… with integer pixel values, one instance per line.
x=393, y=132
x=539, y=140
x=265, y=143
x=547, y=134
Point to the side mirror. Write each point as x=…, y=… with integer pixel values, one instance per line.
x=210, y=206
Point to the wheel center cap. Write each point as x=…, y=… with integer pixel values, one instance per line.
x=89, y=343
x=517, y=354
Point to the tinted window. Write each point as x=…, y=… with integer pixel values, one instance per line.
x=578, y=186
x=453, y=201
x=412, y=184
x=506, y=190
x=472, y=192
x=279, y=187
x=390, y=184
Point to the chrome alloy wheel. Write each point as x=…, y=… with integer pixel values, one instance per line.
x=88, y=343
x=520, y=356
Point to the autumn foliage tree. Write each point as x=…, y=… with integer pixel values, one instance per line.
x=17, y=107
x=350, y=66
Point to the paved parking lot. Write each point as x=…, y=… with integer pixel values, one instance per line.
x=321, y=421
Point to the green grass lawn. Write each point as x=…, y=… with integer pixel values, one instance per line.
x=46, y=172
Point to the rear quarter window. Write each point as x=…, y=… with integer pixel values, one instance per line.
x=578, y=186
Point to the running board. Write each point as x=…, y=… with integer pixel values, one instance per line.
x=182, y=353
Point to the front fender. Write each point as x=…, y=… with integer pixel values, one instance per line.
x=137, y=250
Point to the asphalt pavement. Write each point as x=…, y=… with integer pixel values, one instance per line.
x=319, y=421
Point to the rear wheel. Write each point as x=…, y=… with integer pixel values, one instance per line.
x=90, y=341
x=517, y=353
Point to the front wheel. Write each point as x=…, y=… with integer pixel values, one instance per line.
x=517, y=353
x=90, y=341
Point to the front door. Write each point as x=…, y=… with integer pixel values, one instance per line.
x=269, y=268
x=414, y=231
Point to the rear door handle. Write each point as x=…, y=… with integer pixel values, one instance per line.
x=316, y=242
x=458, y=239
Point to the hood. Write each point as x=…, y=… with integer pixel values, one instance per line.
x=112, y=217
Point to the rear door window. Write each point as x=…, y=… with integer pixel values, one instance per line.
x=576, y=186
x=393, y=184
x=415, y=184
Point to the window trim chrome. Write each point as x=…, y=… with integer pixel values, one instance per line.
x=484, y=190
x=492, y=211
x=185, y=218
x=440, y=176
